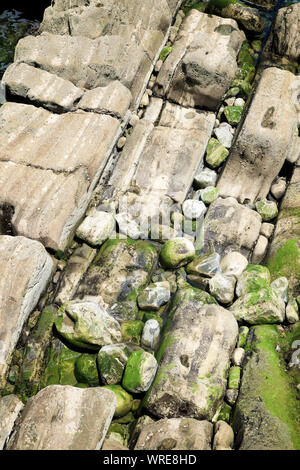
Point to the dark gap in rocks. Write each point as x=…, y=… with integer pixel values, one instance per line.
x=6, y=215
x=12, y=98
x=33, y=10
x=287, y=170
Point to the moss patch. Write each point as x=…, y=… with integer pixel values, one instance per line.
x=286, y=262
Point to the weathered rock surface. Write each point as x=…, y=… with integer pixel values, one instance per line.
x=260, y=307
x=158, y=163
x=193, y=359
x=65, y=418
x=231, y=227
x=268, y=136
x=284, y=39
x=49, y=166
x=202, y=64
x=121, y=269
x=96, y=227
x=176, y=434
x=10, y=407
x=41, y=87
x=25, y=271
x=284, y=255
x=266, y=416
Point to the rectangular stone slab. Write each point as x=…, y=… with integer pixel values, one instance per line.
x=159, y=162
x=268, y=136
x=202, y=64
x=65, y=418
x=50, y=164
x=25, y=271
x=229, y=226
x=194, y=358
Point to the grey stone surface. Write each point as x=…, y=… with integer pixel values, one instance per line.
x=65, y=418
x=10, y=407
x=26, y=268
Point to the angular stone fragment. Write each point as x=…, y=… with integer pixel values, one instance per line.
x=175, y=434
x=216, y=153
x=284, y=39
x=266, y=415
x=25, y=271
x=253, y=279
x=260, y=250
x=280, y=286
x=77, y=265
x=87, y=325
x=199, y=70
x=268, y=136
x=209, y=194
x=65, y=418
x=222, y=288
x=292, y=311
x=193, y=209
x=204, y=178
x=260, y=307
x=233, y=264
x=190, y=380
x=154, y=296
x=120, y=271
x=49, y=166
x=266, y=229
x=151, y=334
x=139, y=372
x=206, y=265
x=96, y=227
x=41, y=87
x=231, y=227
x=113, y=99
x=10, y=407
x=247, y=17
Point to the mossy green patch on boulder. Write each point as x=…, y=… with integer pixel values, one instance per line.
x=225, y=413
x=177, y=252
x=286, y=262
x=245, y=88
x=209, y=194
x=193, y=5
x=216, y=153
x=233, y=114
x=60, y=369
x=234, y=377
x=111, y=362
x=132, y=331
x=253, y=279
x=267, y=412
x=267, y=209
x=232, y=92
x=86, y=370
x=165, y=52
x=124, y=400
x=243, y=335
x=139, y=372
x=245, y=56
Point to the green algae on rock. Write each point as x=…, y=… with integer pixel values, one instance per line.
x=266, y=415
x=111, y=362
x=254, y=278
x=139, y=372
x=267, y=209
x=177, y=252
x=234, y=377
x=124, y=400
x=233, y=114
x=86, y=371
x=165, y=52
x=216, y=153
x=209, y=194
x=132, y=331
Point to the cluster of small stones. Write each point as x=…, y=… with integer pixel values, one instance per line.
x=102, y=324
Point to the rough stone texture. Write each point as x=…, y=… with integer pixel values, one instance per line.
x=25, y=271
x=194, y=358
x=260, y=250
x=231, y=227
x=202, y=64
x=49, y=165
x=233, y=264
x=283, y=258
x=113, y=99
x=223, y=437
x=261, y=307
x=247, y=17
x=121, y=269
x=158, y=163
x=41, y=87
x=10, y=407
x=65, y=418
x=74, y=271
x=266, y=416
x=268, y=136
x=176, y=434
x=96, y=227
x=284, y=39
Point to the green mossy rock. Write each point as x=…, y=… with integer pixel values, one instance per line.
x=234, y=377
x=253, y=279
x=111, y=362
x=243, y=335
x=266, y=415
x=244, y=87
x=132, y=331
x=209, y=194
x=233, y=114
x=165, y=52
x=60, y=369
x=124, y=400
x=225, y=413
x=86, y=370
x=216, y=153
x=286, y=262
x=267, y=209
x=193, y=5
x=245, y=56
x=139, y=372
x=177, y=252
x=232, y=92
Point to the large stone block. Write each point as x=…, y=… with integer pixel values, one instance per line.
x=202, y=63
x=194, y=358
x=285, y=34
x=65, y=418
x=268, y=136
x=50, y=164
x=25, y=271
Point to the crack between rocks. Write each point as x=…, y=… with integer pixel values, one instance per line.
x=55, y=171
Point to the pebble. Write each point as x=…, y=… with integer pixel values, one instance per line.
x=121, y=142
x=222, y=288
x=151, y=334
x=238, y=356
x=96, y=228
x=266, y=229
x=260, y=249
x=280, y=286
x=193, y=209
x=234, y=263
x=231, y=396
x=278, y=188
x=204, y=178
x=292, y=311
x=224, y=134
x=158, y=65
